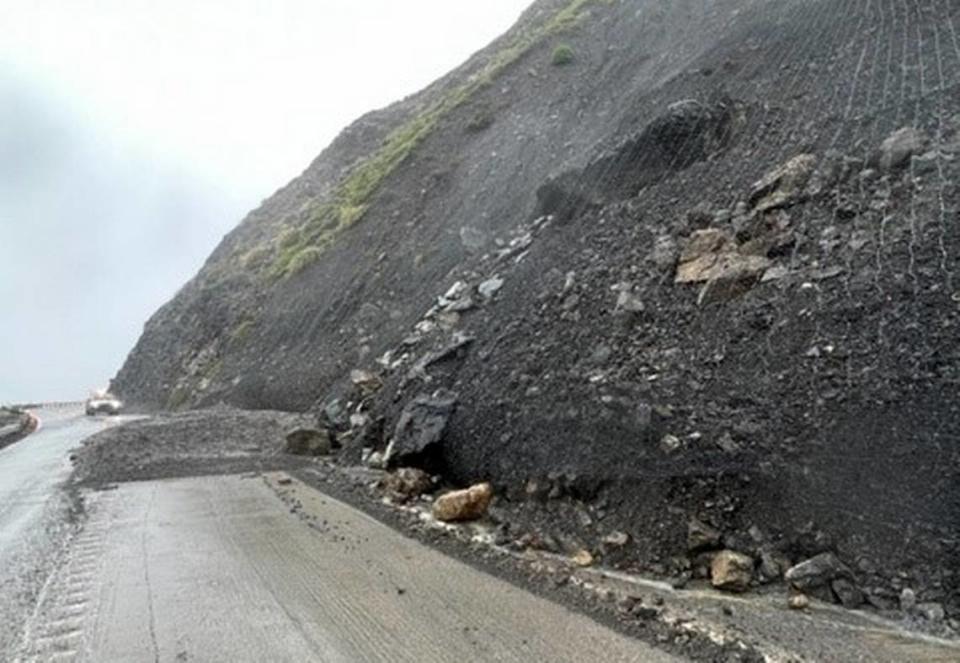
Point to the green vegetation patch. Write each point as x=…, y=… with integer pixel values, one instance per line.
x=178, y=397
x=353, y=195
x=562, y=55
x=241, y=332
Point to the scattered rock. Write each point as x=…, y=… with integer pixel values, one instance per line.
x=700, y=215
x=407, y=483
x=727, y=444
x=420, y=429
x=308, y=442
x=459, y=305
x=731, y=571
x=817, y=571
x=461, y=505
x=847, y=593
x=456, y=299
x=898, y=147
x=366, y=382
x=784, y=185
x=583, y=558
x=908, y=600
x=670, y=444
x=359, y=420
x=713, y=255
x=798, y=602
x=932, y=612
x=706, y=242
x=334, y=414
x=490, y=287
x=373, y=459
x=451, y=349
x=665, y=252
x=701, y=536
x=772, y=566
x=628, y=302
x=616, y=540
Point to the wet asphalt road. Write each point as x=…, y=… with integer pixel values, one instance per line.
x=35, y=512
x=218, y=569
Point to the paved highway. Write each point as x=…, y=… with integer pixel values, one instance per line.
x=218, y=569
x=35, y=514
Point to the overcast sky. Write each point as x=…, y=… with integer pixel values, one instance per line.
x=135, y=133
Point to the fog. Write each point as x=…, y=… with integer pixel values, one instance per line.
x=133, y=135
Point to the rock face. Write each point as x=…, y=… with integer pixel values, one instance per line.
x=460, y=505
x=687, y=131
x=731, y=571
x=419, y=431
x=819, y=389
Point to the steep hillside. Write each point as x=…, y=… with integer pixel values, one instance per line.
x=636, y=308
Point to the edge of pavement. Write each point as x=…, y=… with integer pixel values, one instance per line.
x=699, y=623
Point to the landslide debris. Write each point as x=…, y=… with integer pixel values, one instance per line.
x=214, y=441
x=703, y=273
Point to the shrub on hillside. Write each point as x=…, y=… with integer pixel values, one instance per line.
x=562, y=55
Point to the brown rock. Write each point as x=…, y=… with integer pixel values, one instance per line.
x=726, y=266
x=783, y=185
x=460, y=505
x=365, y=381
x=616, y=540
x=407, y=483
x=731, y=571
x=583, y=558
x=798, y=602
x=706, y=242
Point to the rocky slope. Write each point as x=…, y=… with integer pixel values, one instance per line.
x=701, y=273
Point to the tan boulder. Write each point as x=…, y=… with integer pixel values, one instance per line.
x=459, y=505
x=798, y=602
x=727, y=266
x=707, y=241
x=731, y=571
x=583, y=558
x=407, y=483
x=784, y=185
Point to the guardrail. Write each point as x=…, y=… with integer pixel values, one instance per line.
x=52, y=405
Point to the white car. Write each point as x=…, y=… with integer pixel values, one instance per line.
x=103, y=403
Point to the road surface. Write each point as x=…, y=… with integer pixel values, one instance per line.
x=218, y=569
x=35, y=515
